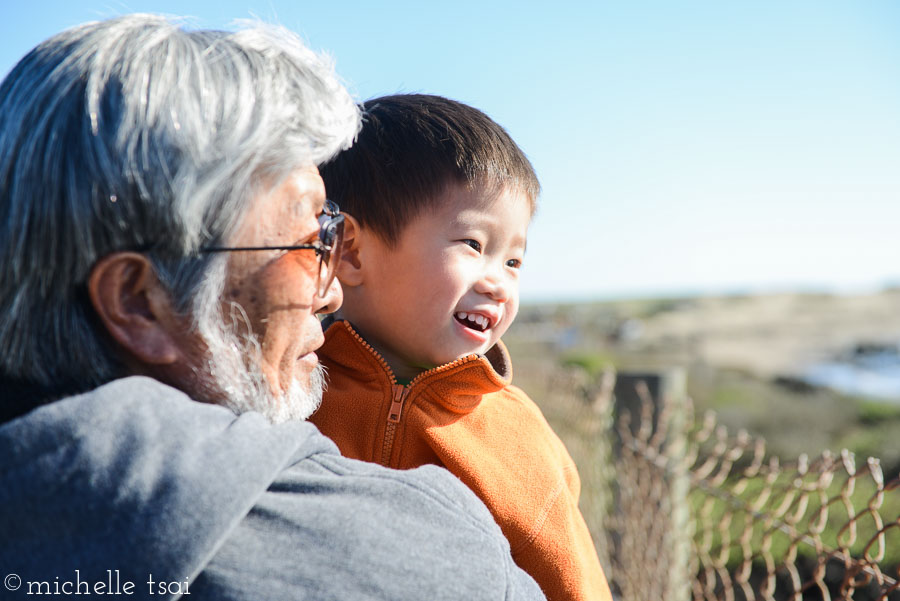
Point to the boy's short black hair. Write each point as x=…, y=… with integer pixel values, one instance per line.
x=411, y=147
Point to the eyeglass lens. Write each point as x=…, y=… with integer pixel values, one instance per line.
x=332, y=237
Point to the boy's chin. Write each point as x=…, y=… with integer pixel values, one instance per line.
x=470, y=342
x=480, y=349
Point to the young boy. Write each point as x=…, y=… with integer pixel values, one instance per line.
x=437, y=200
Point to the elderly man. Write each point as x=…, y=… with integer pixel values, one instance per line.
x=165, y=246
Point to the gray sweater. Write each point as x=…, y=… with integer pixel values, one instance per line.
x=134, y=491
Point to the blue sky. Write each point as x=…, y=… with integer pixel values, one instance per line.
x=682, y=146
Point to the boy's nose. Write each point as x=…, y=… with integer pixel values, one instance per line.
x=497, y=286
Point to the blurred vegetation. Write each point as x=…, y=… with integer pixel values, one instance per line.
x=877, y=412
x=592, y=363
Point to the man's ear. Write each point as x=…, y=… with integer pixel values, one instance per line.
x=134, y=307
x=349, y=270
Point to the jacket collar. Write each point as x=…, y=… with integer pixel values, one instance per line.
x=469, y=377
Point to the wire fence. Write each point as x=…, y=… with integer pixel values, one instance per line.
x=693, y=512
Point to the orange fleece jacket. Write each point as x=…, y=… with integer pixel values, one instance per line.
x=467, y=417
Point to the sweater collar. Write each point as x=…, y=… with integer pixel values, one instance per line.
x=19, y=396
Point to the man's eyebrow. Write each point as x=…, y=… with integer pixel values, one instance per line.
x=300, y=208
x=309, y=236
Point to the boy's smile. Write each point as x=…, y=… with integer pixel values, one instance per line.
x=448, y=288
x=476, y=321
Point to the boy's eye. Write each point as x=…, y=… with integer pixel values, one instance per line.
x=475, y=244
x=514, y=263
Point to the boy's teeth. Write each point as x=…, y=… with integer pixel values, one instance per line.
x=473, y=318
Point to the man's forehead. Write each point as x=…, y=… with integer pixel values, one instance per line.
x=282, y=207
x=302, y=193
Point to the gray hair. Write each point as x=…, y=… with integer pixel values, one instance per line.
x=135, y=134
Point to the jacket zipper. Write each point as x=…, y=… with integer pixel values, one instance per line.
x=399, y=393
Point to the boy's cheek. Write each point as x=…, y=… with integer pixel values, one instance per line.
x=512, y=309
x=503, y=326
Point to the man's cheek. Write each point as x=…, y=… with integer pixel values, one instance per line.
x=286, y=285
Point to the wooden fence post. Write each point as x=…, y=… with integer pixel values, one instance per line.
x=649, y=524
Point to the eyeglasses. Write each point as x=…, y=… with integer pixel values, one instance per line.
x=327, y=247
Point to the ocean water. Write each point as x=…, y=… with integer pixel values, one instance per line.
x=865, y=371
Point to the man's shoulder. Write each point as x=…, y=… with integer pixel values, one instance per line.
x=427, y=484
x=136, y=474
x=137, y=477
x=358, y=529
x=136, y=415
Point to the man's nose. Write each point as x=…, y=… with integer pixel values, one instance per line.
x=332, y=300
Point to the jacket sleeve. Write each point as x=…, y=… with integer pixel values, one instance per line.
x=560, y=554
x=506, y=452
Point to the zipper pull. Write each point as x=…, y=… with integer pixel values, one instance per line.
x=397, y=403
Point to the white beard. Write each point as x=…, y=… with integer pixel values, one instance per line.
x=237, y=379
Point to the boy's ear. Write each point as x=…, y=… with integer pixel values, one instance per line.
x=349, y=270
